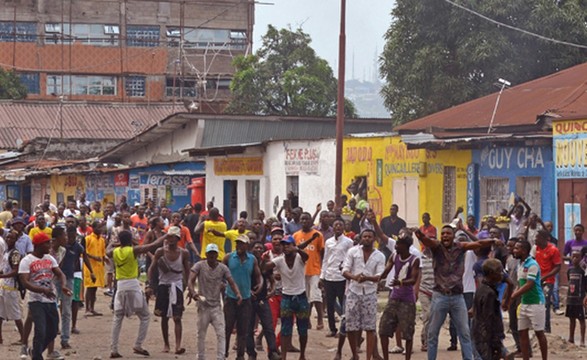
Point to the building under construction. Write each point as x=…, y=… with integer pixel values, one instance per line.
x=126, y=51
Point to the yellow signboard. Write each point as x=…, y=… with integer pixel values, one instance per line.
x=238, y=166
x=564, y=127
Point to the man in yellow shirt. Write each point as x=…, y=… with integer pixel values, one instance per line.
x=241, y=228
x=41, y=227
x=209, y=228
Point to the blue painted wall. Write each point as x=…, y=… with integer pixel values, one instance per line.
x=514, y=162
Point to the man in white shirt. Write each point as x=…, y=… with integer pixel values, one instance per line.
x=363, y=266
x=292, y=268
x=335, y=251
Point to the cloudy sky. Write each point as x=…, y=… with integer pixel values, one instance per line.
x=367, y=21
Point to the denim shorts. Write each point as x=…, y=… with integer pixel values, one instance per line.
x=294, y=305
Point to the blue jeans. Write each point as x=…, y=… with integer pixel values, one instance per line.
x=65, y=310
x=454, y=305
x=555, y=296
x=547, y=289
x=469, y=298
x=262, y=310
x=46, y=320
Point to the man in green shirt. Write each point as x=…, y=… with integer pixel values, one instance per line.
x=532, y=312
x=129, y=298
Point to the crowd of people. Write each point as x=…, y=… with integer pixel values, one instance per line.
x=279, y=270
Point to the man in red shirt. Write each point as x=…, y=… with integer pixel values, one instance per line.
x=427, y=228
x=549, y=260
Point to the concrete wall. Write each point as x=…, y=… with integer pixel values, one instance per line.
x=169, y=147
x=316, y=176
x=514, y=162
x=413, y=179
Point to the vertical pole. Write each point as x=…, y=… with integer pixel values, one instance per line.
x=340, y=105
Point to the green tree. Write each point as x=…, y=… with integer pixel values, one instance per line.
x=10, y=86
x=285, y=77
x=437, y=55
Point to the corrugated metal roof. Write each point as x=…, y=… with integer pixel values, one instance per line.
x=216, y=133
x=559, y=94
x=422, y=140
x=26, y=120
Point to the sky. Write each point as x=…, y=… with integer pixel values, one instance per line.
x=367, y=21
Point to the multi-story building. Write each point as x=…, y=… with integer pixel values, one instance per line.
x=126, y=50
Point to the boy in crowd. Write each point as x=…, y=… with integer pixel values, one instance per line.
x=9, y=292
x=173, y=263
x=36, y=272
x=487, y=329
x=400, y=312
x=575, y=297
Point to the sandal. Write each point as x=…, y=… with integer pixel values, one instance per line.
x=141, y=351
x=180, y=351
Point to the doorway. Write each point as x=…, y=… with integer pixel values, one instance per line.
x=230, y=202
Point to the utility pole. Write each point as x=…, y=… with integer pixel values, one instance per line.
x=340, y=104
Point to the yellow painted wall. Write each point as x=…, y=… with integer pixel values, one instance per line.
x=361, y=157
x=68, y=186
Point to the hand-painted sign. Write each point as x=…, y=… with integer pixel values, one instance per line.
x=302, y=160
x=238, y=166
x=512, y=158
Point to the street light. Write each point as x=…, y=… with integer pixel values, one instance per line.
x=502, y=83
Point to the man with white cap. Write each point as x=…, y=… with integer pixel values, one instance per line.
x=211, y=276
x=173, y=263
x=242, y=266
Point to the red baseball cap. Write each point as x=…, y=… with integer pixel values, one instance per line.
x=40, y=238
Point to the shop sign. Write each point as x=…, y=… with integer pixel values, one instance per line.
x=304, y=160
x=238, y=166
x=121, y=179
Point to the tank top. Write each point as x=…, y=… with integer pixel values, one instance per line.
x=175, y=273
x=403, y=271
x=241, y=274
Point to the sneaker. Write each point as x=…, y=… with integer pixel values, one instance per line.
x=397, y=350
x=24, y=352
x=55, y=355
x=274, y=356
x=65, y=346
x=559, y=312
x=109, y=293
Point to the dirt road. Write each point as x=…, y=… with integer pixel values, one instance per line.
x=94, y=340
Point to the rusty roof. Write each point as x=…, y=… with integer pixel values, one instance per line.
x=561, y=94
x=22, y=121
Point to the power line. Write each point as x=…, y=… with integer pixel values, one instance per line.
x=542, y=37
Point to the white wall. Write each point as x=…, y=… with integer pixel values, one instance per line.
x=169, y=147
x=215, y=184
x=313, y=188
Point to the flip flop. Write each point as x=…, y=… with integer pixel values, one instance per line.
x=141, y=352
x=180, y=351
